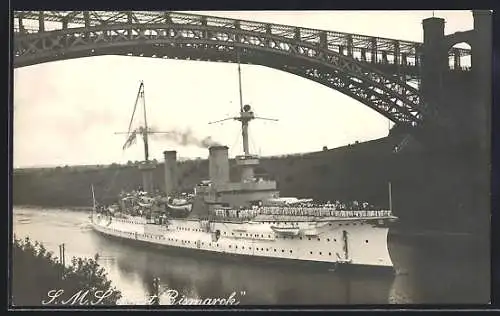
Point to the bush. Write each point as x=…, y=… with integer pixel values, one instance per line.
x=39, y=279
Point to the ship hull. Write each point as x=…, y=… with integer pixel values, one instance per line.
x=325, y=250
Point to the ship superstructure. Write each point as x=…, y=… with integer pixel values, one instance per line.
x=249, y=218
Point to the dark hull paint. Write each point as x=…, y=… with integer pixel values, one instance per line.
x=288, y=263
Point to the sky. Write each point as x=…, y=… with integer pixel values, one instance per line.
x=67, y=112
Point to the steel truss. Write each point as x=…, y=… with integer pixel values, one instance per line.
x=321, y=56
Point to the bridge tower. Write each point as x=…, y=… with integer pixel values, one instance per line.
x=462, y=100
x=434, y=61
x=482, y=69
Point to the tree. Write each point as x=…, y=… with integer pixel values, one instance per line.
x=39, y=279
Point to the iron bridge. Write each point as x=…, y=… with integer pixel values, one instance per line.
x=374, y=71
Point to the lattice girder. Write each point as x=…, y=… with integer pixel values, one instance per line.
x=56, y=44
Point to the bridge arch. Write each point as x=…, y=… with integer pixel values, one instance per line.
x=384, y=93
x=456, y=61
x=452, y=45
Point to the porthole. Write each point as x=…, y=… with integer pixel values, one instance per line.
x=267, y=249
x=320, y=253
x=300, y=238
x=250, y=248
x=329, y=253
x=366, y=241
x=290, y=251
x=328, y=239
x=282, y=250
x=243, y=247
x=269, y=236
x=232, y=234
x=329, y=224
x=308, y=238
x=311, y=252
x=274, y=250
x=319, y=239
x=334, y=239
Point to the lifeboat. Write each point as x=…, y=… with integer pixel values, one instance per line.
x=286, y=230
x=181, y=208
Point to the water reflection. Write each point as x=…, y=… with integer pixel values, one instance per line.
x=446, y=271
x=437, y=271
x=262, y=283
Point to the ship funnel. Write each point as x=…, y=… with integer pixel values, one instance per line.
x=170, y=171
x=218, y=165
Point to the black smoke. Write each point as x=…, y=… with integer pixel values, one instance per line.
x=187, y=138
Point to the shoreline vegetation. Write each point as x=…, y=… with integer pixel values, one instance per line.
x=40, y=279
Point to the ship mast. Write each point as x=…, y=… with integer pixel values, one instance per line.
x=246, y=115
x=142, y=130
x=246, y=162
x=147, y=166
x=145, y=129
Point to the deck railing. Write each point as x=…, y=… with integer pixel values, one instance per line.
x=300, y=211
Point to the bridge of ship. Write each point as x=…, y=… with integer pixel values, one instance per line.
x=375, y=71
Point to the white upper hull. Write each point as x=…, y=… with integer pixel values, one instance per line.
x=366, y=243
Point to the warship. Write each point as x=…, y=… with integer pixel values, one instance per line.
x=243, y=219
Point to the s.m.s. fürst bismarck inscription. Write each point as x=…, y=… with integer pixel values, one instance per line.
x=170, y=296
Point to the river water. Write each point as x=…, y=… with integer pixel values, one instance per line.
x=432, y=270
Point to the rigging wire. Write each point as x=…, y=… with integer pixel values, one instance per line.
x=135, y=107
